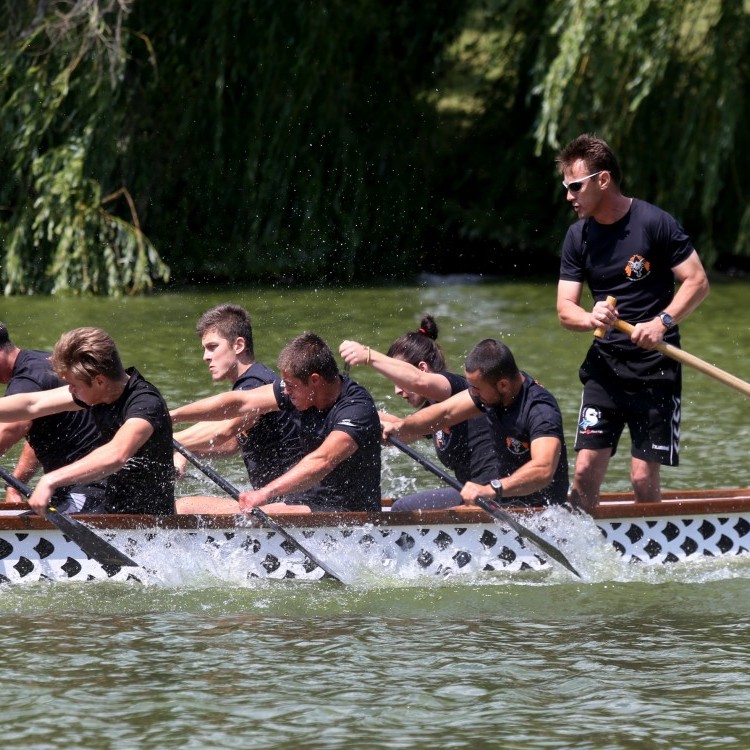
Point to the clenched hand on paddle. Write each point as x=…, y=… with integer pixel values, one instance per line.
x=680, y=355
x=89, y=541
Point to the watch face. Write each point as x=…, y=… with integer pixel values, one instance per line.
x=666, y=319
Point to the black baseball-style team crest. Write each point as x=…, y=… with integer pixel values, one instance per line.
x=637, y=268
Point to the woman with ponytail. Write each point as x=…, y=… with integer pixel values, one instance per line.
x=416, y=365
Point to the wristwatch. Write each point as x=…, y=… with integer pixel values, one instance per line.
x=666, y=320
x=497, y=485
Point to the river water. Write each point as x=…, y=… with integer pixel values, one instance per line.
x=628, y=657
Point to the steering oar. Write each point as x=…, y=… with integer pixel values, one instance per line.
x=680, y=355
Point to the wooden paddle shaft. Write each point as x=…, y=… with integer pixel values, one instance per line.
x=684, y=357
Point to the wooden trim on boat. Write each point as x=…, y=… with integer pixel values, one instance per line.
x=613, y=506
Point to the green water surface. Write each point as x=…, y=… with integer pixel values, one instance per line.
x=628, y=657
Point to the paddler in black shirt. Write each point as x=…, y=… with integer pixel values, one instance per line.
x=339, y=435
x=52, y=441
x=525, y=422
x=136, y=453
x=633, y=251
x=272, y=445
x=416, y=365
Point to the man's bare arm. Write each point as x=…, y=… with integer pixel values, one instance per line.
x=228, y=405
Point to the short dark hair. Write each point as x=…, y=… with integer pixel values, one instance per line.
x=230, y=321
x=306, y=354
x=5, y=341
x=592, y=150
x=492, y=359
x=85, y=353
x=420, y=346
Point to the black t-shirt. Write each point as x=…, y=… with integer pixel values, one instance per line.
x=354, y=485
x=271, y=446
x=467, y=448
x=533, y=414
x=58, y=439
x=146, y=483
x=631, y=260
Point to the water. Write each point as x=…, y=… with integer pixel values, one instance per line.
x=629, y=657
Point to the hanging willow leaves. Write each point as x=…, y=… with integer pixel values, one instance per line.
x=665, y=82
x=61, y=65
x=352, y=139
x=288, y=138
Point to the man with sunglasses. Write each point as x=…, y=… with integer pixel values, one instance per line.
x=633, y=251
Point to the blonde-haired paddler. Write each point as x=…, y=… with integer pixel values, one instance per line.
x=131, y=415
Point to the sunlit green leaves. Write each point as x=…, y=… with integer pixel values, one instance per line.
x=345, y=140
x=665, y=81
x=60, y=70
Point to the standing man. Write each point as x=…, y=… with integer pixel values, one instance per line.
x=52, y=441
x=132, y=417
x=628, y=249
x=525, y=422
x=272, y=445
x=339, y=435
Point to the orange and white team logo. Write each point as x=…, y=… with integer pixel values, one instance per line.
x=515, y=446
x=637, y=268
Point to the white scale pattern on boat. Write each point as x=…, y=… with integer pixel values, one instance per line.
x=429, y=550
x=410, y=551
x=38, y=555
x=671, y=539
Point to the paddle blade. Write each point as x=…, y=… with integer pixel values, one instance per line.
x=265, y=519
x=261, y=515
x=89, y=541
x=496, y=512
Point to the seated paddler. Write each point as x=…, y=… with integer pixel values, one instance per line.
x=271, y=447
x=525, y=422
x=339, y=433
x=53, y=441
x=130, y=413
x=416, y=365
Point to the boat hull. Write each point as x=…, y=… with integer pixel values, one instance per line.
x=682, y=527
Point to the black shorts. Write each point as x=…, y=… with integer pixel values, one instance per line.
x=650, y=409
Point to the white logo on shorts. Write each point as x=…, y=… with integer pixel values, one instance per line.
x=589, y=417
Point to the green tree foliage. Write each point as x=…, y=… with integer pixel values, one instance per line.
x=666, y=83
x=496, y=195
x=60, y=65
x=352, y=139
x=286, y=140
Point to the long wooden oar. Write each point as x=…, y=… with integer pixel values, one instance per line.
x=262, y=516
x=89, y=541
x=684, y=357
x=488, y=506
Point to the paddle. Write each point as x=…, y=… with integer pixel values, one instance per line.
x=488, y=506
x=90, y=542
x=262, y=516
x=682, y=356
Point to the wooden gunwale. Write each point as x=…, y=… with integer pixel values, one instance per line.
x=613, y=506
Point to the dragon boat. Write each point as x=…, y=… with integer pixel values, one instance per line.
x=684, y=526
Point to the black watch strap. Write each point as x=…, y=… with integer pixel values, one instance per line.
x=497, y=485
